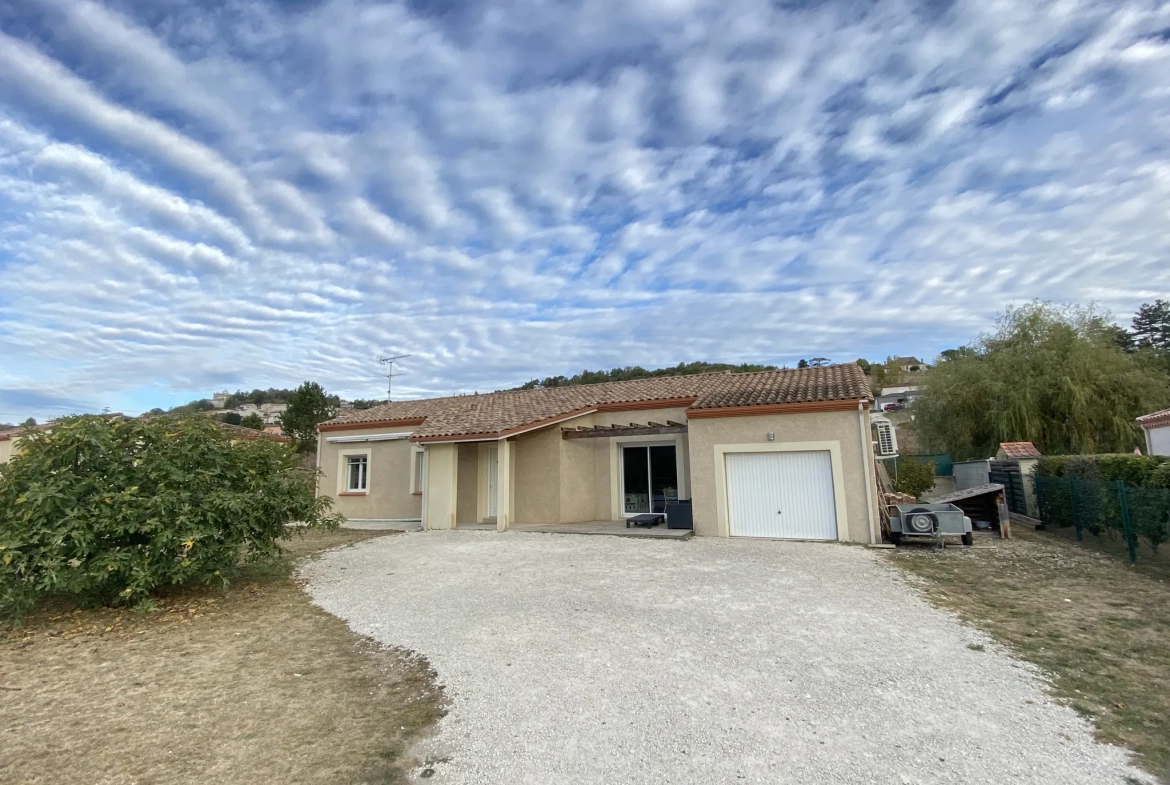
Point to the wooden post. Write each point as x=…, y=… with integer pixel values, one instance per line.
x=1005, y=520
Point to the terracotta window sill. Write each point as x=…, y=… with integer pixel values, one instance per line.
x=354, y=493
x=416, y=493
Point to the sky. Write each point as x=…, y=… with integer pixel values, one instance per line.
x=236, y=194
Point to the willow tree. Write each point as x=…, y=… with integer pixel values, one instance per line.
x=1054, y=376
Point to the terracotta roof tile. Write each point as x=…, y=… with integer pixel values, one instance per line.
x=498, y=412
x=1155, y=420
x=1020, y=450
x=830, y=383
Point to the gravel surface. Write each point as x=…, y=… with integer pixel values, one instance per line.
x=572, y=659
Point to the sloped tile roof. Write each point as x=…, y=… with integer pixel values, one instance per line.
x=804, y=385
x=1155, y=420
x=500, y=412
x=1019, y=450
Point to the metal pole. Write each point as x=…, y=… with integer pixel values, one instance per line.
x=1130, y=539
x=390, y=376
x=1072, y=502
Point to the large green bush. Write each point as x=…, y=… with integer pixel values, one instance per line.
x=1138, y=471
x=108, y=510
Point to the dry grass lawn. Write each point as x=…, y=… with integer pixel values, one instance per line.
x=1099, y=627
x=249, y=685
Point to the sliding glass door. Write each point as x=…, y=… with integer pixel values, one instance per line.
x=649, y=478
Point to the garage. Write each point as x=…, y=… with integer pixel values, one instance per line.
x=786, y=495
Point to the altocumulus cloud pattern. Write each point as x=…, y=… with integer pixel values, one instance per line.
x=199, y=195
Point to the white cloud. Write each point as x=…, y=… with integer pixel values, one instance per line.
x=519, y=190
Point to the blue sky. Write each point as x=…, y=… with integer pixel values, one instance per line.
x=198, y=196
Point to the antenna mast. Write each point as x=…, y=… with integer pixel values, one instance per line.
x=390, y=374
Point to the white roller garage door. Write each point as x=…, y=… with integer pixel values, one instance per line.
x=781, y=494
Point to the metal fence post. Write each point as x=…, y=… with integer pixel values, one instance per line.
x=1130, y=539
x=1072, y=503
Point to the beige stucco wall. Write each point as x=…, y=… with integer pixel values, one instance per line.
x=7, y=449
x=467, y=488
x=538, y=476
x=843, y=427
x=389, y=481
x=567, y=480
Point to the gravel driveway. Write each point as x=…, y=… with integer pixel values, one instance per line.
x=573, y=659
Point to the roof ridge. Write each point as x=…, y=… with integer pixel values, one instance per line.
x=492, y=411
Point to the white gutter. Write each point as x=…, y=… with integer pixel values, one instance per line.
x=373, y=437
x=875, y=536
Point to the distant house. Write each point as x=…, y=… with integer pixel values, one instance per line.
x=268, y=412
x=219, y=400
x=1157, y=429
x=898, y=396
x=10, y=440
x=910, y=364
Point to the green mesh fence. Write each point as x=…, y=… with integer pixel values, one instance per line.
x=944, y=466
x=1139, y=515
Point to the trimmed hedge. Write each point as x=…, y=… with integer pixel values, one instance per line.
x=1138, y=471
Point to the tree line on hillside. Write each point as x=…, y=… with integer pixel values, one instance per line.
x=1063, y=377
x=632, y=372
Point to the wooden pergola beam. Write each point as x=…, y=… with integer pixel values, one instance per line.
x=633, y=429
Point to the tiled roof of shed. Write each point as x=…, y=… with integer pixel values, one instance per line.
x=1019, y=450
x=499, y=412
x=1155, y=420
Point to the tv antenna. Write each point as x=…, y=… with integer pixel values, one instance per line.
x=390, y=374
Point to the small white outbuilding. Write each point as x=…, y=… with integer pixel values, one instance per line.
x=1157, y=428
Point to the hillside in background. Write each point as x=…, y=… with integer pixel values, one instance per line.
x=638, y=372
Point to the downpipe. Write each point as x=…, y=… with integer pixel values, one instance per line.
x=875, y=537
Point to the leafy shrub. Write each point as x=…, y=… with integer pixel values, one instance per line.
x=108, y=510
x=914, y=477
x=1160, y=476
x=1138, y=471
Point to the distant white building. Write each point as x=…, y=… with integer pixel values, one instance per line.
x=268, y=412
x=1157, y=428
x=219, y=400
x=898, y=396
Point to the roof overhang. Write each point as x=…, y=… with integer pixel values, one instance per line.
x=1155, y=420
x=357, y=425
x=633, y=429
x=372, y=437
x=849, y=404
x=496, y=436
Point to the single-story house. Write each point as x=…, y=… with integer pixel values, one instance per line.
x=1157, y=429
x=10, y=440
x=784, y=454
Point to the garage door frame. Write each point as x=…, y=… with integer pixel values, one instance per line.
x=832, y=447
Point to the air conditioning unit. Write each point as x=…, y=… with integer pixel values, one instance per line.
x=885, y=438
x=929, y=520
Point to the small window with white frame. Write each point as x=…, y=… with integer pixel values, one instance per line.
x=416, y=470
x=357, y=469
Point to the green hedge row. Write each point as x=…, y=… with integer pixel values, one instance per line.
x=1138, y=471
